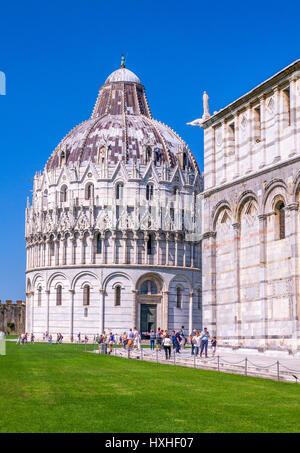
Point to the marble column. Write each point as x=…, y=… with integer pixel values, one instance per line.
x=209, y=281
x=146, y=237
x=72, y=292
x=292, y=234
x=263, y=278
x=191, y=295
x=165, y=310
x=277, y=124
x=293, y=114
x=47, y=309
x=124, y=247
x=134, y=308
x=263, y=131
x=167, y=248
x=236, y=287
x=176, y=249
x=102, y=302
x=82, y=251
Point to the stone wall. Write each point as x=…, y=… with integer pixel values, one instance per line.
x=12, y=313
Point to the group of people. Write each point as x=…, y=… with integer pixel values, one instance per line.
x=131, y=340
x=24, y=338
x=178, y=339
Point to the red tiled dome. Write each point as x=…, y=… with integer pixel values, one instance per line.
x=121, y=120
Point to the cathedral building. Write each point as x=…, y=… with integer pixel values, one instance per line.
x=251, y=238
x=111, y=234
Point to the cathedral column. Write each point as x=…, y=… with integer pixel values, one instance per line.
x=262, y=104
x=72, y=292
x=32, y=310
x=48, y=309
x=250, y=137
x=277, y=124
x=102, y=297
x=209, y=281
x=192, y=254
x=293, y=114
x=236, y=288
x=237, y=145
x=165, y=310
x=263, y=278
x=184, y=251
x=292, y=234
x=134, y=308
x=225, y=141
x=191, y=294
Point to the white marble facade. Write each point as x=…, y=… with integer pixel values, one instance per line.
x=250, y=246
x=111, y=236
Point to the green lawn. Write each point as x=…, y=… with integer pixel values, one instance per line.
x=53, y=388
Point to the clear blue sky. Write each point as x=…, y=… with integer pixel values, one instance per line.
x=56, y=55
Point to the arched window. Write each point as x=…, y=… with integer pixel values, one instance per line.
x=148, y=154
x=119, y=191
x=179, y=297
x=149, y=245
x=101, y=155
x=175, y=191
x=62, y=158
x=148, y=287
x=58, y=294
x=184, y=161
x=117, y=295
x=63, y=193
x=86, y=295
x=39, y=296
x=45, y=198
x=149, y=192
x=280, y=220
x=99, y=244
x=86, y=312
x=89, y=191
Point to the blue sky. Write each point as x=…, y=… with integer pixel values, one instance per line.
x=56, y=55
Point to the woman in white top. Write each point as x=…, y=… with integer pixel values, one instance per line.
x=167, y=343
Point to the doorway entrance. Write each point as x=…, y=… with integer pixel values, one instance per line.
x=148, y=317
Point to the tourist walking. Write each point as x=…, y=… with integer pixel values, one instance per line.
x=191, y=339
x=158, y=339
x=197, y=343
x=110, y=342
x=50, y=339
x=214, y=345
x=152, y=340
x=204, y=341
x=167, y=343
x=178, y=342
x=124, y=339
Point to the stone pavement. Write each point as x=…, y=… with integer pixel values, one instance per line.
x=251, y=364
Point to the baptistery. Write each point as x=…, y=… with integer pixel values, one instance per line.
x=111, y=237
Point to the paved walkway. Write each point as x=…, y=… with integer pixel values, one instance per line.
x=279, y=368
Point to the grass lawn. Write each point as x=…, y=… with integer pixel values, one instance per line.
x=53, y=388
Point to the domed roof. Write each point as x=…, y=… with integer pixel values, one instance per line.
x=122, y=75
x=122, y=123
